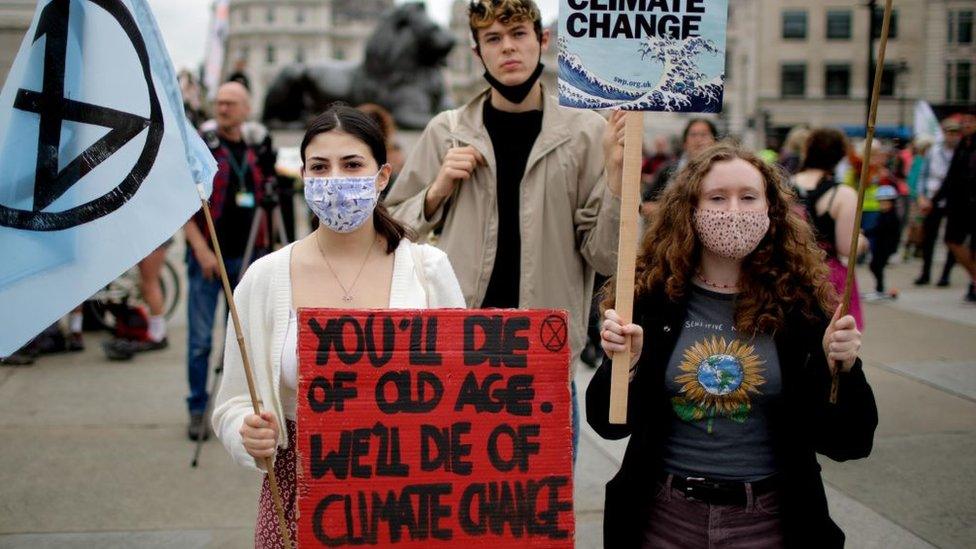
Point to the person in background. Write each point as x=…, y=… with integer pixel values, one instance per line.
x=770, y=154
x=878, y=175
x=239, y=74
x=244, y=166
x=151, y=289
x=915, y=181
x=830, y=207
x=959, y=192
x=394, y=155
x=192, y=98
x=791, y=156
x=937, y=163
x=54, y=339
x=658, y=157
x=885, y=236
x=698, y=135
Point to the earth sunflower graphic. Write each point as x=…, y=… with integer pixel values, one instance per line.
x=716, y=381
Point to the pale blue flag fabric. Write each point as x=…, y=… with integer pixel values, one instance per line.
x=98, y=163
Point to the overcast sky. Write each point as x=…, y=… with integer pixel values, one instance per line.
x=184, y=25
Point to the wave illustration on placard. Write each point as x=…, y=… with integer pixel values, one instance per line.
x=681, y=87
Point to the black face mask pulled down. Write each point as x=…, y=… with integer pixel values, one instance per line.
x=517, y=93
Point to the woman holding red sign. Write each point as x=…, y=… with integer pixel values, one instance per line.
x=732, y=351
x=359, y=257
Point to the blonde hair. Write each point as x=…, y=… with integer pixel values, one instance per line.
x=796, y=139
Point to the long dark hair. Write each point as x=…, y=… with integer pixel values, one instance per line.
x=824, y=149
x=359, y=125
x=699, y=120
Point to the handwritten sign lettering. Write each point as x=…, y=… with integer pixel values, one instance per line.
x=434, y=428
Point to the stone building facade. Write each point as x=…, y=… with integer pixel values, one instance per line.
x=266, y=35
x=15, y=18
x=795, y=62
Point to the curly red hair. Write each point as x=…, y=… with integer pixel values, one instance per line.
x=787, y=270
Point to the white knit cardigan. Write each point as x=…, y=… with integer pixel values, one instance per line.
x=263, y=300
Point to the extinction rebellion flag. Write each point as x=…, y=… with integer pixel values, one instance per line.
x=98, y=164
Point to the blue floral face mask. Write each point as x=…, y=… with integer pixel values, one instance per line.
x=342, y=204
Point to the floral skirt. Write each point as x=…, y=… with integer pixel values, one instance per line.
x=266, y=535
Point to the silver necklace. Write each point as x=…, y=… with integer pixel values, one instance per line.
x=346, y=292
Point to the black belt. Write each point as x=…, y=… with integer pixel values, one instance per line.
x=719, y=492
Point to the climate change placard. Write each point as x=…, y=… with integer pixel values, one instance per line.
x=446, y=428
x=642, y=55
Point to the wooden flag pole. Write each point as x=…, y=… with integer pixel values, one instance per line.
x=626, y=259
x=845, y=303
x=255, y=402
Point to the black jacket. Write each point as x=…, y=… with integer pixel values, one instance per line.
x=959, y=186
x=807, y=422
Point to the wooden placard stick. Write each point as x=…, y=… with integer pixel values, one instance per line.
x=845, y=303
x=626, y=259
x=255, y=402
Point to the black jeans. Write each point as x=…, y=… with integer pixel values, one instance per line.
x=930, y=230
x=879, y=260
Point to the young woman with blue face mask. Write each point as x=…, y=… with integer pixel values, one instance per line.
x=357, y=258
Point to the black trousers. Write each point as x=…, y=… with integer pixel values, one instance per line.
x=930, y=231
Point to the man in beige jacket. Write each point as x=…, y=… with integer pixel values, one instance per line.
x=515, y=186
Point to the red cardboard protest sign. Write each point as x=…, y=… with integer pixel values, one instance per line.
x=430, y=428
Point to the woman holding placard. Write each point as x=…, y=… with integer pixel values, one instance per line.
x=732, y=351
x=357, y=258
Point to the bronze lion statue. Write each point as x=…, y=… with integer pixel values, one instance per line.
x=401, y=72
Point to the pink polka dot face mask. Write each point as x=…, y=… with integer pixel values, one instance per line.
x=731, y=234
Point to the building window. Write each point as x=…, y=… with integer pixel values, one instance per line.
x=964, y=88
x=300, y=15
x=793, y=80
x=270, y=15
x=269, y=54
x=245, y=53
x=965, y=35
x=959, y=82
x=839, y=25
x=300, y=54
x=339, y=53
x=889, y=80
x=879, y=21
x=837, y=81
x=245, y=15
x=794, y=25
x=960, y=27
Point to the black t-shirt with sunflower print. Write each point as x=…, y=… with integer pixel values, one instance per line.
x=720, y=385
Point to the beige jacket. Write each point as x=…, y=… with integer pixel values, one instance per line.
x=569, y=219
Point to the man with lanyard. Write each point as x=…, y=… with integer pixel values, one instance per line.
x=514, y=184
x=244, y=164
